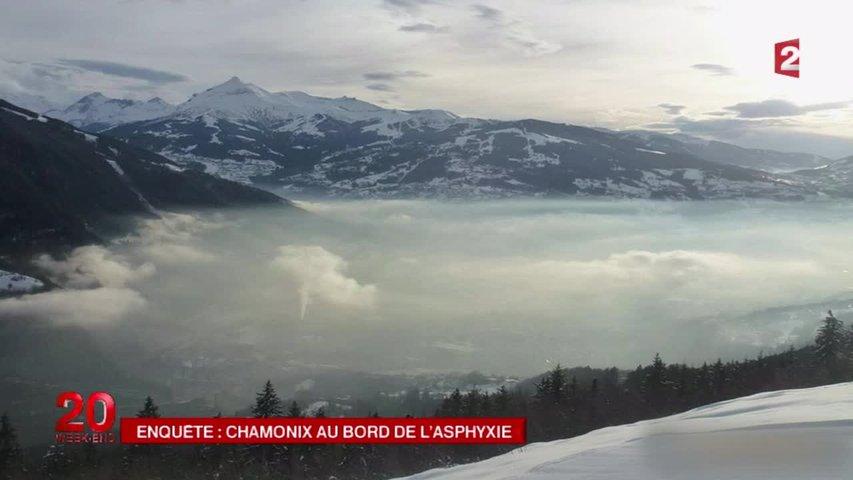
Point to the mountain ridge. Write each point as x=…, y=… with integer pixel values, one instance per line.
x=60, y=182
x=306, y=145
x=96, y=112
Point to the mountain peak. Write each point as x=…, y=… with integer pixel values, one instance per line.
x=236, y=86
x=92, y=96
x=96, y=112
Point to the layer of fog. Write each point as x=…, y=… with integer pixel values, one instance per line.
x=503, y=287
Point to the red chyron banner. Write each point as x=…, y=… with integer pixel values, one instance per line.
x=323, y=430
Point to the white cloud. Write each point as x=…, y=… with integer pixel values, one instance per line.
x=780, y=108
x=91, y=267
x=321, y=276
x=170, y=227
x=514, y=33
x=78, y=307
x=174, y=253
x=169, y=239
x=714, y=69
x=95, y=289
x=694, y=282
x=399, y=218
x=588, y=63
x=455, y=347
x=584, y=281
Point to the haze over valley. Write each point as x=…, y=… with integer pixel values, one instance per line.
x=503, y=287
x=616, y=233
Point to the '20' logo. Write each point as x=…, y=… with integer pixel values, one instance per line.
x=69, y=422
x=788, y=58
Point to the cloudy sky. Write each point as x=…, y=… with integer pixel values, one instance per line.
x=698, y=67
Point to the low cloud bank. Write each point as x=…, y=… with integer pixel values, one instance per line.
x=91, y=267
x=94, y=307
x=503, y=286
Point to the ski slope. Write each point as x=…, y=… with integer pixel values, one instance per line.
x=804, y=434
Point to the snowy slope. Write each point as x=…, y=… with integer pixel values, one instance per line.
x=88, y=178
x=14, y=283
x=96, y=112
x=835, y=177
x=802, y=434
x=768, y=160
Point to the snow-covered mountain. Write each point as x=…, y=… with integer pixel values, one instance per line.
x=791, y=434
x=96, y=112
x=32, y=102
x=60, y=183
x=835, y=178
x=346, y=147
x=768, y=160
x=12, y=283
x=235, y=100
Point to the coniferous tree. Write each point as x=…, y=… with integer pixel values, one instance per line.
x=635, y=379
x=553, y=385
x=452, y=406
x=574, y=389
x=471, y=403
x=655, y=383
x=143, y=456
x=611, y=377
x=501, y=402
x=267, y=403
x=56, y=463
x=703, y=381
x=149, y=410
x=10, y=451
x=486, y=407
x=294, y=411
x=830, y=344
x=849, y=348
x=682, y=382
x=718, y=377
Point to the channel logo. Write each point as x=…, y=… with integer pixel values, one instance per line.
x=99, y=413
x=787, y=55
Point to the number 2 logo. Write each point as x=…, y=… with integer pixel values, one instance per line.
x=787, y=58
x=68, y=422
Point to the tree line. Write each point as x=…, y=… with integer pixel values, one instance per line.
x=564, y=403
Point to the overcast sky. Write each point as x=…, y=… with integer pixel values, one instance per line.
x=702, y=67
